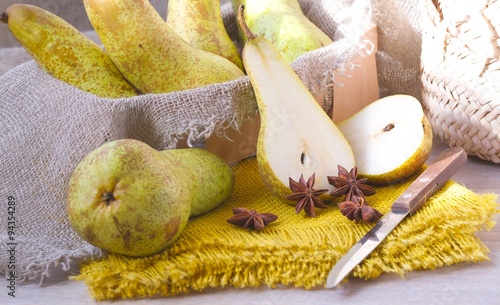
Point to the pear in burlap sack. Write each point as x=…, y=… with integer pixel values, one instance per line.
x=284, y=24
x=64, y=52
x=150, y=55
x=200, y=24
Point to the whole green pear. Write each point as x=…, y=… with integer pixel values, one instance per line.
x=199, y=22
x=283, y=23
x=149, y=54
x=128, y=198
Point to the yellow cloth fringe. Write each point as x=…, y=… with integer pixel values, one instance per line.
x=296, y=250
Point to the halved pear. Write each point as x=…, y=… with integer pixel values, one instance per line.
x=296, y=136
x=391, y=138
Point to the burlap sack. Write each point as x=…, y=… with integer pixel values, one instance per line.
x=47, y=126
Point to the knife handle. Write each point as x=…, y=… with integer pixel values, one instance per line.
x=434, y=176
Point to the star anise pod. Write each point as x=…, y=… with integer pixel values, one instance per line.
x=250, y=219
x=348, y=184
x=306, y=196
x=357, y=210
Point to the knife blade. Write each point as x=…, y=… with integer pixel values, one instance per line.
x=431, y=180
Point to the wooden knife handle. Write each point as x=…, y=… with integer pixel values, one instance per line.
x=431, y=180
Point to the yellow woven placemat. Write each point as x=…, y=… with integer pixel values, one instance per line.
x=296, y=249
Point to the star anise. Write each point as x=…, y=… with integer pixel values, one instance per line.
x=306, y=196
x=357, y=210
x=348, y=184
x=250, y=219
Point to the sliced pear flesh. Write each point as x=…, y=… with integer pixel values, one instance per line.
x=296, y=135
x=391, y=138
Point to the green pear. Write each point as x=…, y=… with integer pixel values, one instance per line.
x=296, y=136
x=283, y=23
x=199, y=22
x=149, y=54
x=65, y=53
x=211, y=178
x=128, y=198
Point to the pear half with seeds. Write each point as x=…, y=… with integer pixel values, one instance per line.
x=296, y=136
x=391, y=138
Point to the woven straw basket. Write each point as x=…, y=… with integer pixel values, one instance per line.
x=461, y=73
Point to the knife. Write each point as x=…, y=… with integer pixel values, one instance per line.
x=431, y=180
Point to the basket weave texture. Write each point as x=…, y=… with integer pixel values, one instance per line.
x=460, y=65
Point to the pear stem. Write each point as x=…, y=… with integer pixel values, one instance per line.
x=4, y=18
x=241, y=20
